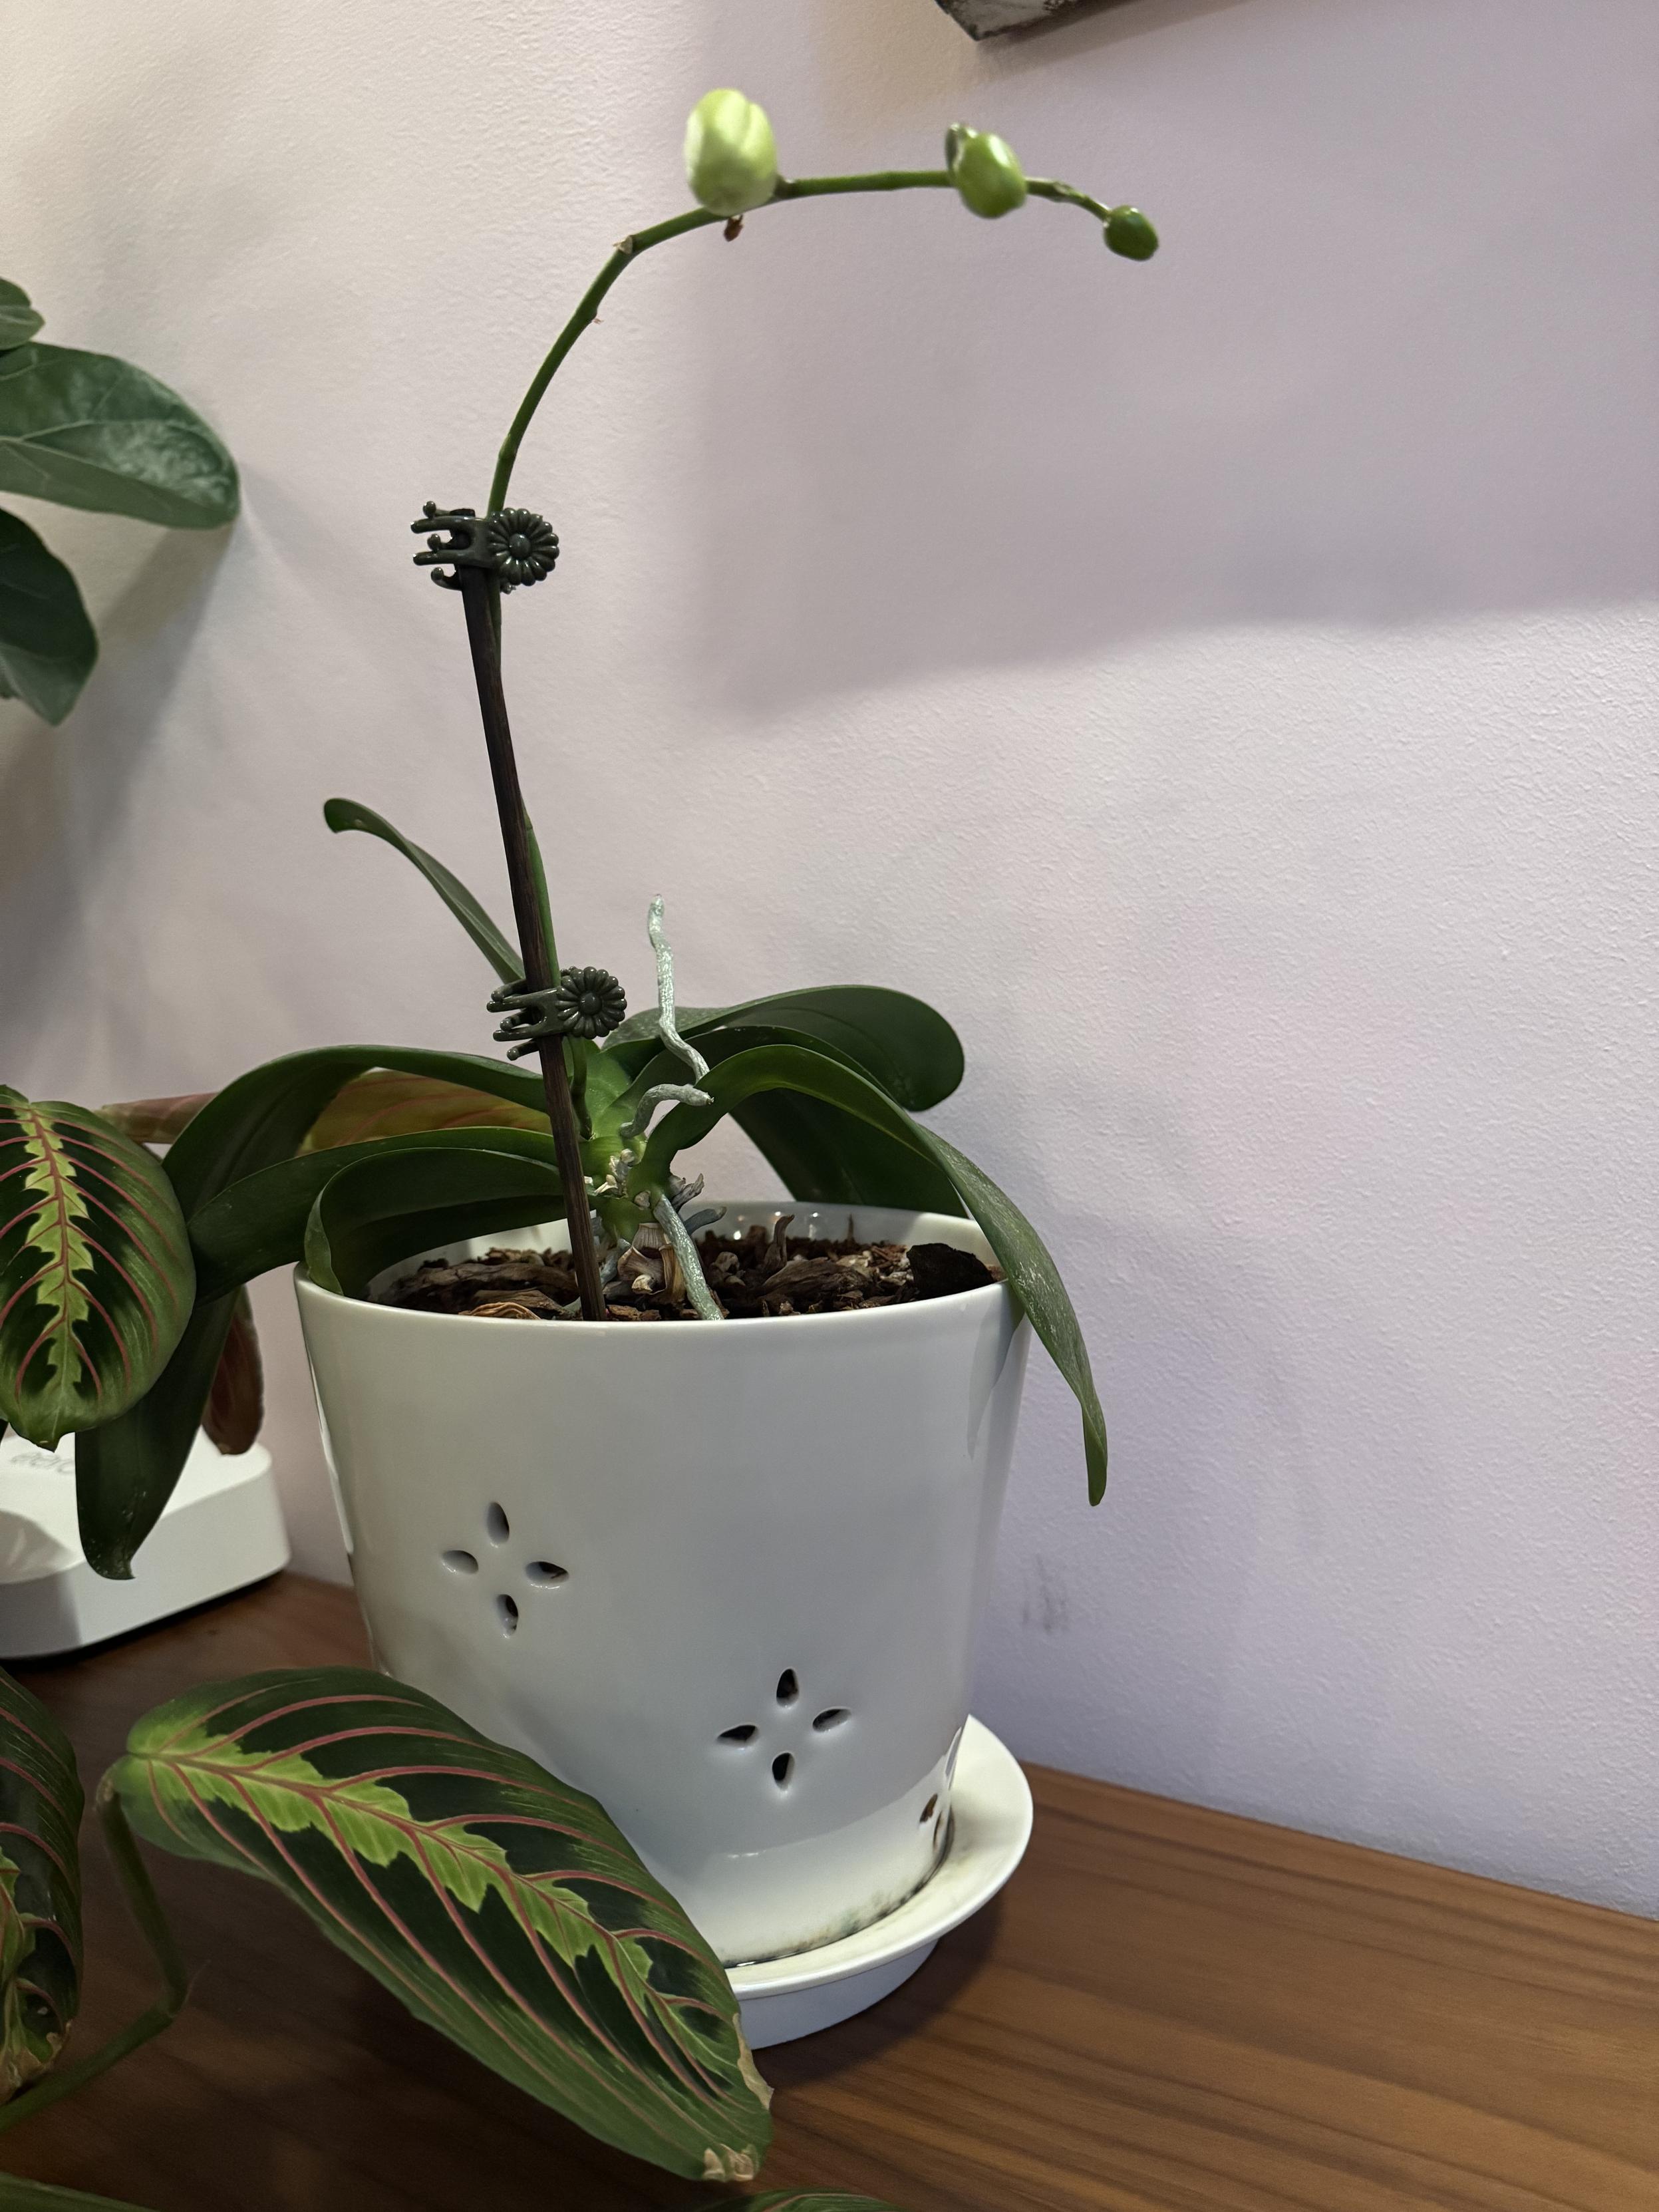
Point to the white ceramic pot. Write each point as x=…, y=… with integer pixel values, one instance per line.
x=726, y=1576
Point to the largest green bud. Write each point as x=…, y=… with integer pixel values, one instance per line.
x=730, y=155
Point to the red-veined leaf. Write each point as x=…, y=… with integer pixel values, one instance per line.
x=501, y=1907
x=96, y=1278
x=40, y=1888
x=235, y=1408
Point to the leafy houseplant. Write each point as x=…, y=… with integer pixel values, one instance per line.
x=119, y=1284
x=88, y=431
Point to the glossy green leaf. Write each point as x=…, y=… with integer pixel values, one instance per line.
x=95, y=1273
x=377, y=1211
x=496, y=948
x=499, y=1906
x=1032, y=1275
x=47, y=643
x=40, y=1805
x=19, y=321
x=235, y=1408
x=390, y=1103
x=260, y=1221
x=125, y=1471
x=901, y=1043
x=87, y=430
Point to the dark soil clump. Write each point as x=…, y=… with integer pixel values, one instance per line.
x=751, y=1276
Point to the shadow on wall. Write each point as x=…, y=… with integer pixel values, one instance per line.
x=1372, y=378
x=65, y=794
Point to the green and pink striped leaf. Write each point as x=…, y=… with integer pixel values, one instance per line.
x=502, y=1908
x=96, y=1278
x=40, y=1888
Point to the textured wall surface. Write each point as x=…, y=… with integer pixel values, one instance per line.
x=1227, y=687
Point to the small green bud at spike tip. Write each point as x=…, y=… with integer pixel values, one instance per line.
x=730, y=155
x=1129, y=233
x=984, y=171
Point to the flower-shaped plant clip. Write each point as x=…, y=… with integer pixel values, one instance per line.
x=514, y=545
x=584, y=1002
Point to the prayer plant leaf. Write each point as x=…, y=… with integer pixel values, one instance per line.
x=378, y=1211
x=899, y=1041
x=90, y=431
x=125, y=1470
x=40, y=1888
x=502, y=956
x=47, y=643
x=501, y=1907
x=96, y=1278
x=235, y=1408
x=19, y=321
x=1032, y=1275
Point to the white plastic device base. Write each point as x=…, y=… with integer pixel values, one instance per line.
x=221, y=1529
x=990, y=1827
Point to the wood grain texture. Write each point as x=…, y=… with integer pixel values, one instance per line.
x=1171, y=2010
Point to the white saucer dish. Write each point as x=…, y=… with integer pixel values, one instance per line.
x=990, y=1827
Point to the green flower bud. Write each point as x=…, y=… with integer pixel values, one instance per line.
x=730, y=155
x=1128, y=233
x=984, y=171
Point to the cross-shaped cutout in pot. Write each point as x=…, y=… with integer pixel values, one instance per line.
x=789, y=1712
x=538, y=1574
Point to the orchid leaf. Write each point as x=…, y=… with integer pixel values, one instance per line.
x=125, y=1470
x=40, y=1803
x=259, y=1223
x=96, y=1278
x=379, y=1210
x=19, y=321
x=501, y=1907
x=18, y=2195
x=90, y=431
x=1031, y=1273
x=156, y=1120
x=391, y=1103
x=502, y=956
x=899, y=1041
x=235, y=1408
x=47, y=642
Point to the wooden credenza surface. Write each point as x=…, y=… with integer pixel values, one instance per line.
x=1169, y=2010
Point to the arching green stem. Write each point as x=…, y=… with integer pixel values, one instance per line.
x=630, y=249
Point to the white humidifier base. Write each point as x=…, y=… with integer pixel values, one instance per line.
x=221, y=1529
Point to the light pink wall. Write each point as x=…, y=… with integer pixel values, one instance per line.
x=1226, y=687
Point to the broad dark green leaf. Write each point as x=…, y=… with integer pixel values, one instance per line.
x=260, y=1222
x=125, y=1470
x=47, y=643
x=377, y=1211
x=235, y=1408
x=19, y=321
x=95, y=1273
x=87, y=430
x=499, y=1906
x=388, y=1102
x=899, y=1041
x=496, y=948
x=40, y=1888
x=1031, y=1273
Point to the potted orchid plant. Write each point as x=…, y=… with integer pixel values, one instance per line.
x=725, y=1574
